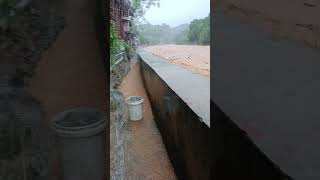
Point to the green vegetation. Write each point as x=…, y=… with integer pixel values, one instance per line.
x=197, y=32
x=141, y=6
x=115, y=43
x=154, y=34
x=7, y=8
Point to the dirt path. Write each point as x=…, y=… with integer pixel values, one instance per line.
x=70, y=73
x=194, y=58
x=148, y=157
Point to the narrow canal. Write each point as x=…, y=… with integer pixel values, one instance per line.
x=147, y=155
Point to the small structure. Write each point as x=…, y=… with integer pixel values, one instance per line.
x=121, y=13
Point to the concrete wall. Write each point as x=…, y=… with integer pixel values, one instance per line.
x=192, y=146
x=235, y=156
x=185, y=136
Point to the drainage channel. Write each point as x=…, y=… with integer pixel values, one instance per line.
x=147, y=157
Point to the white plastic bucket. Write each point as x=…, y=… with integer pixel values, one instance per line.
x=135, y=104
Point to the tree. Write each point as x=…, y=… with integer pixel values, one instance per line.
x=199, y=31
x=141, y=6
x=194, y=31
x=204, y=37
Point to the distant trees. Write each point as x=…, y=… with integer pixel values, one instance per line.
x=197, y=32
x=182, y=37
x=141, y=6
x=154, y=34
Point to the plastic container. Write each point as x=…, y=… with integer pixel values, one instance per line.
x=135, y=104
x=81, y=142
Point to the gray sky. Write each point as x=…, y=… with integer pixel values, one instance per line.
x=176, y=12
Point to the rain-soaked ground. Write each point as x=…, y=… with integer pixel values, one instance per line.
x=147, y=155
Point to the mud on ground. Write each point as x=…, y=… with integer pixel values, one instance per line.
x=191, y=57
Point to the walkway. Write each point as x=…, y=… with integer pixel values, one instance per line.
x=148, y=157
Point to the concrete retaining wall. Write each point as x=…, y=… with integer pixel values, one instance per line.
x=185, y=136
x=231, y=153
x=235, y=156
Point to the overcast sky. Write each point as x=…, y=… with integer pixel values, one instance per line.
x=176, y=12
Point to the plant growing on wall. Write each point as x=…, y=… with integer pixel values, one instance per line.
x=115, y=43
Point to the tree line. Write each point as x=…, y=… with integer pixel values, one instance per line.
x=197, y=32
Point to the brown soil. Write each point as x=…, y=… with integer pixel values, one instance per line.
x=194, y=58
x=147, y=156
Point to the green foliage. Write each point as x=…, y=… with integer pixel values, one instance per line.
x=182, y=38
x=194, y=30
x=7, y=8
x=161, y=34
x=140, y=6
x=199, y=31
x=154, y=34
x=115, y=43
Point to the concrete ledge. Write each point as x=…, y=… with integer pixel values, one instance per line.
x=184, y=132
x=193, y=89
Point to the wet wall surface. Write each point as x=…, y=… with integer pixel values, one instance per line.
x=235, y=156
x=185, y=136
x=271, y=90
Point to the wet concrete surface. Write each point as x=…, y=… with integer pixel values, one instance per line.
x=271, y=90
x=193, y=89
x=147, y=155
